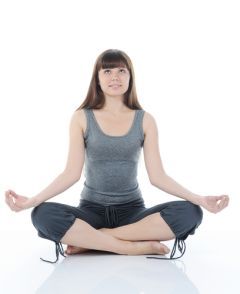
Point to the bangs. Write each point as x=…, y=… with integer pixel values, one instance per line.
x=113, y=59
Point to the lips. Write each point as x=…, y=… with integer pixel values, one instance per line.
x=115, y=85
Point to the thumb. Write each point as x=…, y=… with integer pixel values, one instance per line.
x=15, y=196
x=13, y=193
x=219, y=197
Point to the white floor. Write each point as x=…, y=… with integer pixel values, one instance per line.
x=210, y=264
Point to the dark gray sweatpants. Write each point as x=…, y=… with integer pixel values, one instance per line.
x=52, y=220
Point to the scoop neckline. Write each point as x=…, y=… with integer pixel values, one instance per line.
x=99, y=128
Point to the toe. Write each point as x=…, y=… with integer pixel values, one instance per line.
x=69, y=249
x=165, y=248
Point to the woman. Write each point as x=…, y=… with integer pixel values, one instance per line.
x=109, y=129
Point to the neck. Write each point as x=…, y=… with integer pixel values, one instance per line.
x=114, y=104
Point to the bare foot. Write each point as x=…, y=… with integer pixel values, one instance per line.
x=136, y=248
x=160, y=248
x=75, y=250
x=150, y=247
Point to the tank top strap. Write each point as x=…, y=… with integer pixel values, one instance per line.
x=138, y=124
x=89, y=121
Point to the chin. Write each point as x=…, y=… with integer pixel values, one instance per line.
x=115, y=93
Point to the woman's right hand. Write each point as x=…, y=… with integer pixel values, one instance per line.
x=17, y=202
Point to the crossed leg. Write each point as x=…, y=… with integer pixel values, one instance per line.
x=150, y=228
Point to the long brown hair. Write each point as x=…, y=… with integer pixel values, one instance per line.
x=110, y=58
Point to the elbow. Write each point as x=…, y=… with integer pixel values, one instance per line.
x=152, y=181
x=157, y=182
x=72, y=176
x=76, y=179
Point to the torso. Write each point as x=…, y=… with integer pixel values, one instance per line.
x=110, y=124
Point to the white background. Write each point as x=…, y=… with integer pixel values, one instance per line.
x=186, y=60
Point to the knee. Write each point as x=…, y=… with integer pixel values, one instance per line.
x=52, y=219
x=40, y=216
x=45, y=219
x=195, y=213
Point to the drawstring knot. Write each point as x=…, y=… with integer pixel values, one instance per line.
x=180, y=244
x=59, y=250
x=111, y=216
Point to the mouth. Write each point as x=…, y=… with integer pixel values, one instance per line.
x=115, y=86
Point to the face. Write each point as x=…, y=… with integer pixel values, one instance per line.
x=114, y=81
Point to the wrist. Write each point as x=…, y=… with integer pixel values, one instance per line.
x=197, y=199
x=35, y=201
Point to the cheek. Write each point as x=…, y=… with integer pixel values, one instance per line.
x=127, y=80
x=101, y=80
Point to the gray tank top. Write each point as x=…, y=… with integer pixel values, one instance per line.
x=111, y=162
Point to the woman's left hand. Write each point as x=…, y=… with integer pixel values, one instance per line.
x=214, y=204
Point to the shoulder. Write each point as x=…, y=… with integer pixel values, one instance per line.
x=79, y=119
x=149, y=122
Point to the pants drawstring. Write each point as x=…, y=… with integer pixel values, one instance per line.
x=111, y=216
x=180, y=243
x=59, y=250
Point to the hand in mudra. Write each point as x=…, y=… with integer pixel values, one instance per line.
x=17, y=202
x=214, y=204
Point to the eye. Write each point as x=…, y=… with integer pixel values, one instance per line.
x=106, y=71
x=122, y=70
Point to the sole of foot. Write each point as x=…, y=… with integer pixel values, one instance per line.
x=151, y=247
x=75, y=250
x=160, y=248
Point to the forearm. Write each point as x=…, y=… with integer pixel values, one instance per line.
x=170, y=186
x=59, y=185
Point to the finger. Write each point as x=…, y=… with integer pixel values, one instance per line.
x=217, y=198
x=15, y=195
x=12, y=192
x=10, y=203
x=222, y=197
x=7, y=200
x=223, y=204
x=8, y=194
x=226, y=201
x=225, y=196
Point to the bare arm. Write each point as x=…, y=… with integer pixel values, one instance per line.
x=74, y=165
x=64, y=180
x=154, y=166
x=159, y=178
x=61, y=183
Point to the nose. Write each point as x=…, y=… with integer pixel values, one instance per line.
x=115, y=76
